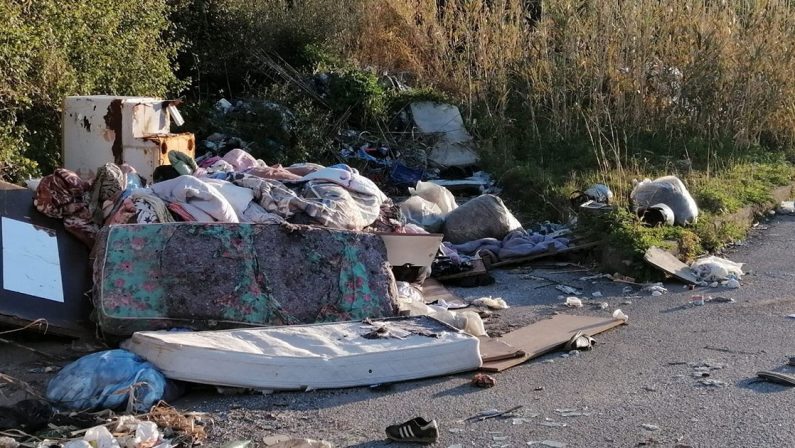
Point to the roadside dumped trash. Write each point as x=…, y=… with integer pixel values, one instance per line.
x=311, y=356
x=108, y=380
x=483, y=217
x=648, y=196
x=714, y=269
x=416, y=430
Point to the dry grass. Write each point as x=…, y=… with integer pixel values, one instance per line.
x=606, y=71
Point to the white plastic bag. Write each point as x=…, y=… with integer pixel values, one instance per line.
x=668, y=190
x=100, y=437
x=436, y=194
x=423, y=213
x=716, y=269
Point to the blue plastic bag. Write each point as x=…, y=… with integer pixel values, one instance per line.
x=103, y=380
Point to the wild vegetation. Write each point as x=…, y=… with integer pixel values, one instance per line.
x=560, y=93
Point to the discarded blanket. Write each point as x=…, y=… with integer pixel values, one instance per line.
x=63, y=195
x=516, y=244
x=205, y=276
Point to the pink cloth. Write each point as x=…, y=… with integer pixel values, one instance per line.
x=241, y=160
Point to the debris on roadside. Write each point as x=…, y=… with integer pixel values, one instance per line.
x=777, y=377
x=667, y=199
x=573, y=302
x=568, y=290
x=786, y=207
x=656, y=289
x=547, y=443
x=416, y=430
x=484, y=381
x=580, y=341
x=493, y=413
x=650, y=427
x=495, y=303
x=619, y=315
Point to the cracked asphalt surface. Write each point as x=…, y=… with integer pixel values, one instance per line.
x=637, y=387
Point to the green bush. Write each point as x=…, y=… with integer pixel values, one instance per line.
x=51, y=49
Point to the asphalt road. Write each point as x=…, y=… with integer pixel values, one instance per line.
x=638, y=374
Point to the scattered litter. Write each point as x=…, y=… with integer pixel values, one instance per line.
x=650, y=427
x=626, y=302
x=520, y=421
x=596, y=294
x=492, y=413
x=489, y=302
x=619, y=315
x=697, y=300
x=712, y=382
x=650, y=388
x=627, y=290
x=483, y=380
x=791, y=316
x=547, y=443
x=573, y=412
x=580, y=341
x=733, y=283
x=787, y=207
x=720, y=299
x=573, y=302
x=603, y=305
x=455, y=430
x=457, y=445
x=108, y=380
x=499, y=438
x=415, y=430
x=777, y=377
x=8, y=442
x=553, y=424
x=594, y=277
x=656, y=289
x=568, y=290
x=237, y=444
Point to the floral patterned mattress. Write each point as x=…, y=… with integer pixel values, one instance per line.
x=203, y=276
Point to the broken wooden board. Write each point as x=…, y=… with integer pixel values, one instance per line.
x=45, y=270
x=493, y=349
x=550, y=253
x=671, y=265
x=547, y=335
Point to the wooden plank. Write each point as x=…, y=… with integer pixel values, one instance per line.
x=522, y=260
x=665, y=261
x=547, y=335
x=493, y=349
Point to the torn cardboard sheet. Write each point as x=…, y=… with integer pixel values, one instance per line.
x=411, y=249
x=671, y=265
x=547, y=335
x=493, y=349
x=320, y=356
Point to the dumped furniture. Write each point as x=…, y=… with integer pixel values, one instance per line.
x=205, y=276
x=321, y=356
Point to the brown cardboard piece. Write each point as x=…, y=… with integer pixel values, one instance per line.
x=547, y=335
x=669, y=264
x=493, y=349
